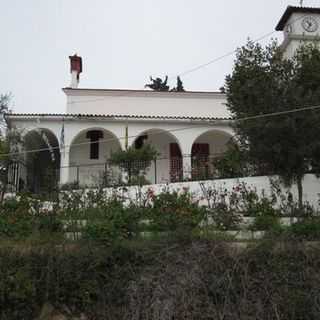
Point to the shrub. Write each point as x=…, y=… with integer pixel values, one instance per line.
x=16, y=226
x=307, y=229
x=113, y=223
x=224, y=217
x=265, y=222
x=175, y=211
x=16, y=220
x=134, y=161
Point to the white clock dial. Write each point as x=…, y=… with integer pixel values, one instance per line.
x=309, y=24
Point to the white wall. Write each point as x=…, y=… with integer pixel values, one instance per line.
x=87, y=170
x=311, y=188
x=146, y=103
x=183, y=132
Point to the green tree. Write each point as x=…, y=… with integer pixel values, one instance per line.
x=263, y=82
x=179, y=87
x=134, y=161
x=10, y=140
x=158, y=84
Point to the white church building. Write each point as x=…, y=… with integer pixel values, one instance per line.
x=188, y=129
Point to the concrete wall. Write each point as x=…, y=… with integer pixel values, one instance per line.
x=146, y=103
x=311, y=187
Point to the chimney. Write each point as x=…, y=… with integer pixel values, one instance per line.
x=75, y=69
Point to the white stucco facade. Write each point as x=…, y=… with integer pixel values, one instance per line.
x=188, y=129
x=160, y=131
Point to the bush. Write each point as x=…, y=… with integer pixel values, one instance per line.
x=22, y=216
x=307, y=229
x=16, y=220
x=134, y=161
x=175, y=212
x=114, y=223
x=16, y=226
x=265, y=222
x=224, y=217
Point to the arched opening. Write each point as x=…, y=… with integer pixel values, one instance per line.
x=89, y=154
x=205, y=149
x=168, y=165
x=42, y=162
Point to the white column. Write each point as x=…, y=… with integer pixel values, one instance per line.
x=186, y=167
x=186, y=146
x=64, y=165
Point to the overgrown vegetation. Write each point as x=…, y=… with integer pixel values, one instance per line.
x=263, y=82
x=162, y=280
x=88, y=256
x=110, y=216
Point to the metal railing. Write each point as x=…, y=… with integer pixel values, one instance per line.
x=105, y=174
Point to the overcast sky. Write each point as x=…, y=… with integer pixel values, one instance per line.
x=122, y=43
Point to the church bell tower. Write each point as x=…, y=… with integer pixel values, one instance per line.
x=300, y=25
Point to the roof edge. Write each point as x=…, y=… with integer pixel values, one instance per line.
x=96, y=116
x=68, y=90
x=292, y=9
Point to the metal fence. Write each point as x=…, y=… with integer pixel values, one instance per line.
x=160, y=170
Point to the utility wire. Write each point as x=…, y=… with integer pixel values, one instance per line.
x=185, y=128
x=196, y=68
x=266, y=115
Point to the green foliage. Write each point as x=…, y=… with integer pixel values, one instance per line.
x=224, y=217
x=232, y=164
x=223, y=208
x=73, y=281
x=158, y=84
x=115, y=224
x=134, y=161
x=200, y=279
x=174, y=211
x=289, y=144
x=23, y=217
x=179, y=87
x=265, y=222
x=16, y=226
x=15, y=218
x=307, y=229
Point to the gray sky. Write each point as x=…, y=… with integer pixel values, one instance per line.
x=122, y=42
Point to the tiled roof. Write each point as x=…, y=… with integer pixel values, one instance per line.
x=103, y=116
x=290, y=10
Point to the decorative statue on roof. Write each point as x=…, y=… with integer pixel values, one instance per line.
x=179, y=87
x=158, y=84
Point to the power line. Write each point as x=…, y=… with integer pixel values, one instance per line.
x=266, y=115
x=279, y=113
x=201, y=66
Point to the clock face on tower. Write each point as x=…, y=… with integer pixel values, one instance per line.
x=310, y=24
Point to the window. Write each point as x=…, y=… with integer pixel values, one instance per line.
x=94, y=137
